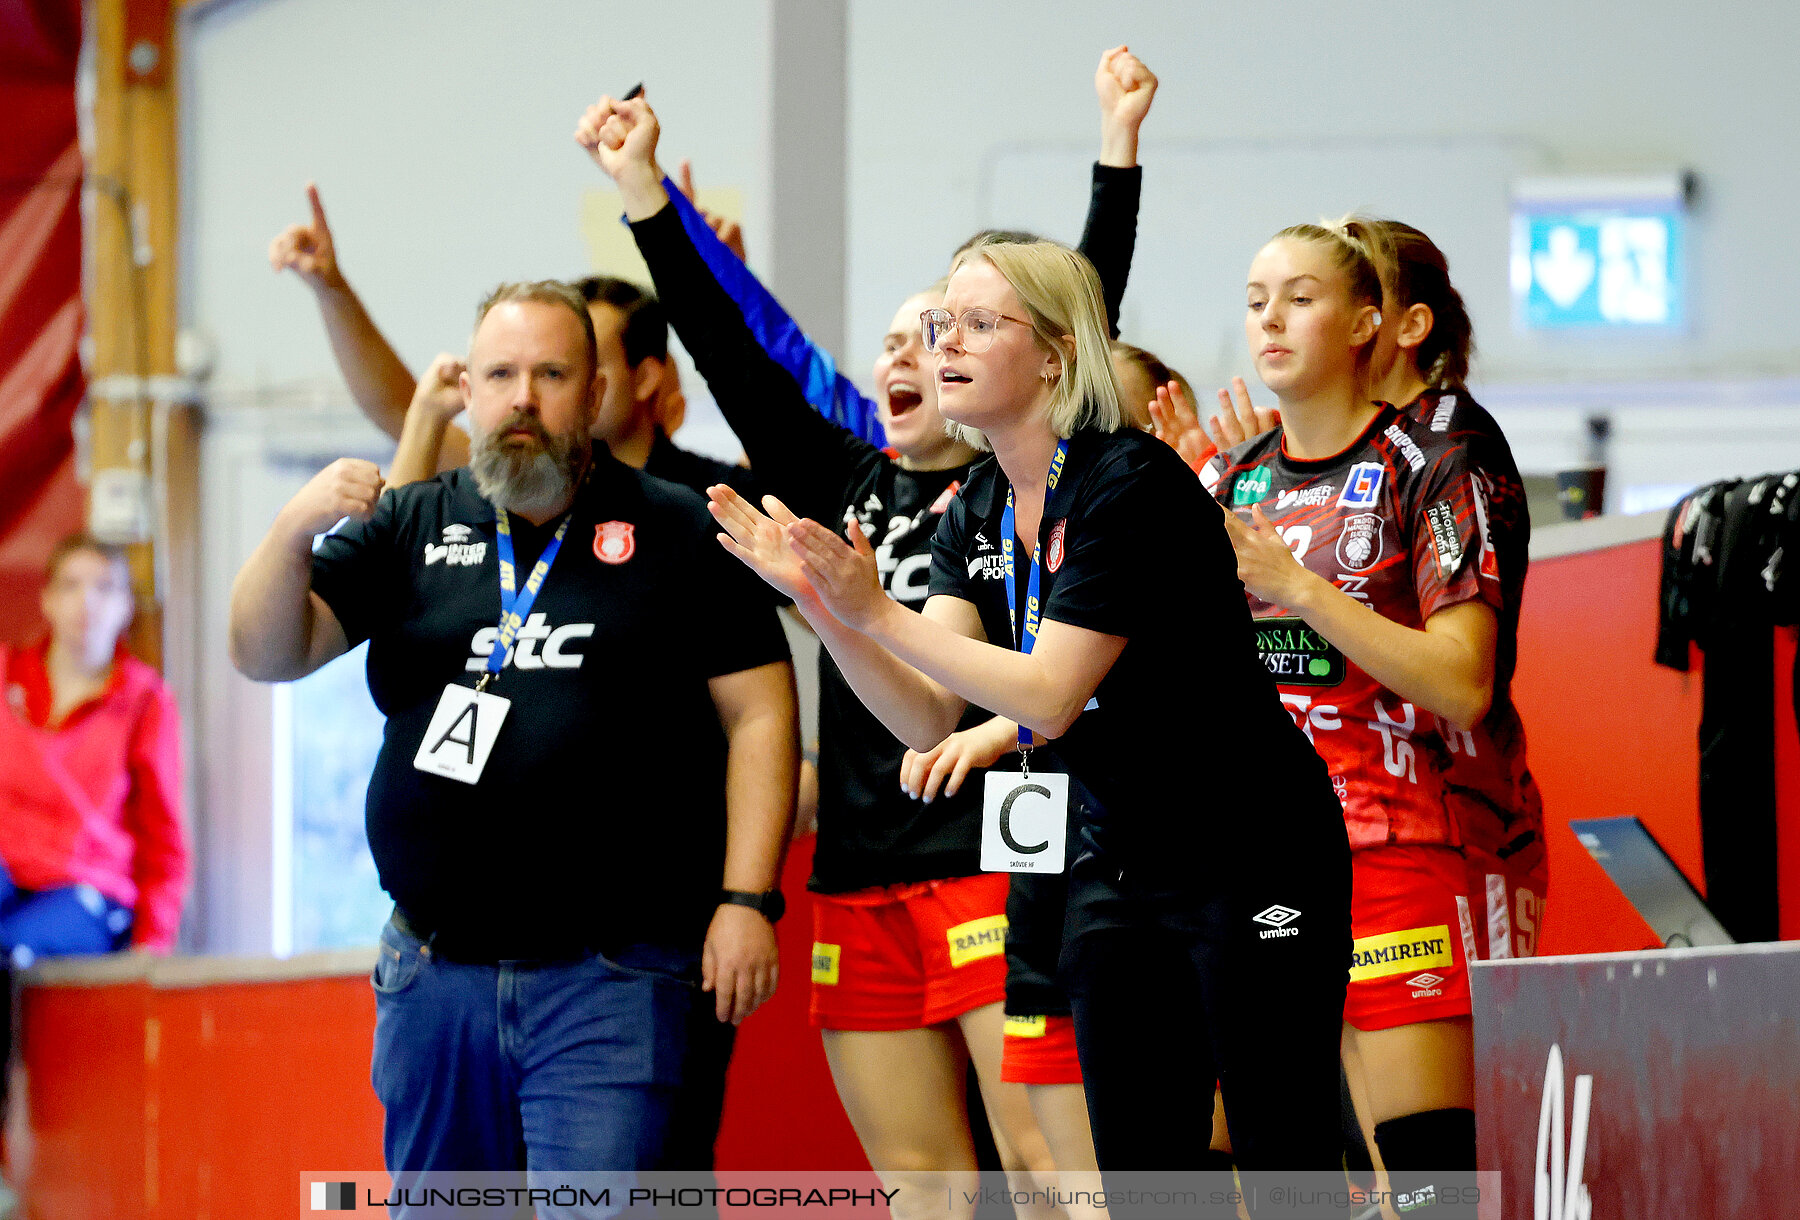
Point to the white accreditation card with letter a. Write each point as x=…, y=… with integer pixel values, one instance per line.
x=1024, y=822
x=461, y=734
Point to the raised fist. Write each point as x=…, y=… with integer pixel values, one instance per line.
x=620, y=136
x=440, y=390
x=1125, y=86
x=349, y=487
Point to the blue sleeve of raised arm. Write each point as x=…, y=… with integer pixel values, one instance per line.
x=831, y=393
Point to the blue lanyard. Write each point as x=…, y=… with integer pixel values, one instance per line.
x=515, y=604
x=1025, y=640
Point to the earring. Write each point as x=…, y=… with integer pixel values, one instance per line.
x=1377, y=317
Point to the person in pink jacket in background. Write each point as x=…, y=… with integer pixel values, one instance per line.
x=93, y=853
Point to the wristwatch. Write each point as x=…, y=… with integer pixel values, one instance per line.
x=771, y=905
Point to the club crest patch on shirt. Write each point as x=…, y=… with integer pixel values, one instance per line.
x=1053, y=560
x=615, y=541
x=1359, y=544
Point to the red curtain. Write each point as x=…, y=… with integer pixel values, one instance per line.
x=41, y=382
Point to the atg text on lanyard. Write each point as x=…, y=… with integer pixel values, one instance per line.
x=467, y=722
x=1026, y=639
x=1024, y=818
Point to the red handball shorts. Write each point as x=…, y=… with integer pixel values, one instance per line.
x=1039, y=1050
x=908, y=956
x=1414, y=936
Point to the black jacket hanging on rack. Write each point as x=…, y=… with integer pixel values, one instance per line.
x=1725, y=585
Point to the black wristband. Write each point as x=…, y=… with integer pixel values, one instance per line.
x=771, y=905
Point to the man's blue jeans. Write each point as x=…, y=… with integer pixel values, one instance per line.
x=534, y=1067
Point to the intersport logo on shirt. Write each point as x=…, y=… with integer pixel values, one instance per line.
x=456, y=551
x=1305, y=497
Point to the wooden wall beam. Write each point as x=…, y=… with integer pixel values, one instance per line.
x=142, y=442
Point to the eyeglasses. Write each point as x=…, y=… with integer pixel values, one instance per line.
x=977, y=326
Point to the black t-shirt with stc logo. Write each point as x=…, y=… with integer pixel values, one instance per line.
x=600, y=816
x=1395, y=521
x=1185, y=761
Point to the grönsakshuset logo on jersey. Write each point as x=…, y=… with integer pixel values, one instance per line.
x=1558, y=1196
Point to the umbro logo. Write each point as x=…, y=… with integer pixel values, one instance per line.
x=1277, y=918
x=456, y=533
x=1425, y=985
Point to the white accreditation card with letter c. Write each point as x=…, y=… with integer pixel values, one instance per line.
x=1024, y=822
x=462, y=733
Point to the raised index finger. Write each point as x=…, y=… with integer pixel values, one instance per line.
x=318, y=208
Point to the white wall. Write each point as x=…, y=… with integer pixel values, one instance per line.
x=1267, y=116
x=441, y=138
x=443, y=149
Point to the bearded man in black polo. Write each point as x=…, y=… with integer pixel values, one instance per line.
x=586, y=777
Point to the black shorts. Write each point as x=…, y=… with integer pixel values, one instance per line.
x=1036, y=905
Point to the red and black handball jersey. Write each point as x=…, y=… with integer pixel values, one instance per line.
x=1397, y=521
x=1491, y=790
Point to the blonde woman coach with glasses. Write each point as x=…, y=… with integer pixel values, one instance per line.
x=1074, y=578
